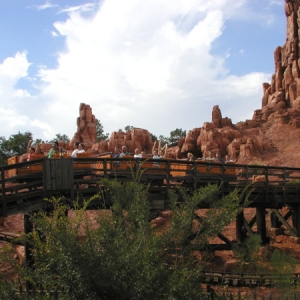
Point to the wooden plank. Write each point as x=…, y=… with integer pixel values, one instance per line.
x=158, y=166
x=11, y=161
x=83, y=164
x=11, y=234
x=4, y=211
x=157, y=204
x=179, y=169
x=284, y=222
x=124, y=164
x=99, y=165
x=58, y=174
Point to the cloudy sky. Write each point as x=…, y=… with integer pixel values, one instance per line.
x=153, y=64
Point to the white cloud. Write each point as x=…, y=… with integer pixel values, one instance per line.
x=53, y=33
x=142, y=63
x=17, y=105
x=82, y=8
x=15, y=67
x=45, y=6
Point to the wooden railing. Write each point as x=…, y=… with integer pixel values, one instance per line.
x=42, y=177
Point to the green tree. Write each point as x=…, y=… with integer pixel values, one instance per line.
x=153, y=137
x=254, y=259
x=177, y=134
x=124, y=256
x=37, y=141
x=15, y=145
x=61, y=137
x=164, y=139
x=100, y=132
x=128, y=128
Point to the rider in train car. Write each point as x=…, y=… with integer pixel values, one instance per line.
x=218, y=158
x=53, y=150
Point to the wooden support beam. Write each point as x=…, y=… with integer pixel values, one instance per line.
x=296, y=219
x=275, y=222
x=241, y=228
x=252, y=222
x=261, y=224
x=28, y=228
x=285, y=223
x=288, y=215
x=248, y=227
x=224, y=238
x=4, y=211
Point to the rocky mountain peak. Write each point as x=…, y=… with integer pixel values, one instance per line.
x=272, y=135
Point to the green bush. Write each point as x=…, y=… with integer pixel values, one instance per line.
x=255, y=259
x=123, y=256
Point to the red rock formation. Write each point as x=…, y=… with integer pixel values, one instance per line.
x=284, y=90
x=280, y=106
x=251, y=138
x=86, y=133
x=135, y=138
x=86, y=126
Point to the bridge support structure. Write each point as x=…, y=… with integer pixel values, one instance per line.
x=29, y=260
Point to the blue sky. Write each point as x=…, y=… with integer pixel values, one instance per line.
x=153, y=64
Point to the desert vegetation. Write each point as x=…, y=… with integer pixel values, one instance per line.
x=123, y=255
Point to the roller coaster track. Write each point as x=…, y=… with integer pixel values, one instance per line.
x=248, y=280
x=11, y=237
x=26, y=184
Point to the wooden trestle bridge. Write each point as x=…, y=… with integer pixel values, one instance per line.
x=26, y=185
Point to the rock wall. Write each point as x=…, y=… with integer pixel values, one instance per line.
x=284, y=90
x=135, y=138
x=86, y=126
x=86, y=134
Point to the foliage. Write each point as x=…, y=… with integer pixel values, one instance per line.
x=7, y=289
x=174, y=136
x=128, y=128
x=124, y=256
x=256, y=162
x=163, y=139
x=36, y=142
x=100, y=132
x=61, y=137
x=256, y=259
x=177, y=134
x=153, y=137
x=15, y=145
x=293, y=181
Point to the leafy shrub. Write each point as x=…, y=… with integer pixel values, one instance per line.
x=123, y=256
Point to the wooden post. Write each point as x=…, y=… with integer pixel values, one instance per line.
x=261, y=224
x=240, y=228
x=168, y=169
x=28, y=228
x=296, y=219
x=4, y=212
x=195, y=175
x=275, y=223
